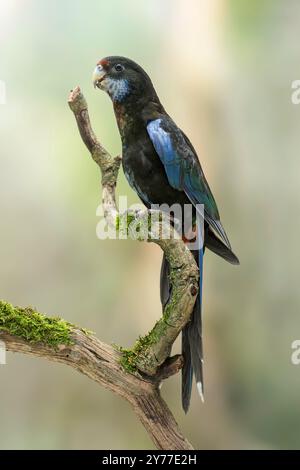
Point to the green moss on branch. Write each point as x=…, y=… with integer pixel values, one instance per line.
x=151, y=350
x=34, y=326
x=131, y=357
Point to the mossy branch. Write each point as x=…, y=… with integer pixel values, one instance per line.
x=33, y=326
x=27, y=331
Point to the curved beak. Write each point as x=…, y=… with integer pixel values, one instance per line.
x=98, y=75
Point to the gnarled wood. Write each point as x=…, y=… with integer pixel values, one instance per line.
x=101, y=363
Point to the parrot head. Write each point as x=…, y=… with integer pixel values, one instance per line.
x=123, y=79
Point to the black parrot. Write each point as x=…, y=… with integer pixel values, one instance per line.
x=162, y=166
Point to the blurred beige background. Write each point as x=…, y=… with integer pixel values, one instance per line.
x=223, y=69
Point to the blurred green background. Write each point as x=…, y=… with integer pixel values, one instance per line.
x=223, y=69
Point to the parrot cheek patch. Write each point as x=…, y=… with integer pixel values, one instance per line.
x=117, y=89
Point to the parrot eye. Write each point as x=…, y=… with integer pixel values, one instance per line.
x=119, y=68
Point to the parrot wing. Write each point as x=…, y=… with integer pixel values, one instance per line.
x=183, y=169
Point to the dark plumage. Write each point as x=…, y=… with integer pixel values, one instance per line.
x=162, y=166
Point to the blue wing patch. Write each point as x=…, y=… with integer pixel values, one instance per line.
x=164, y=148
x=183, y=169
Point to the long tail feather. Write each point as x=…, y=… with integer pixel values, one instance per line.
x=218, y=227
x=195, y=334
x=187, y=370
x=165, y=285
x=213, y=243
x=192, y=350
